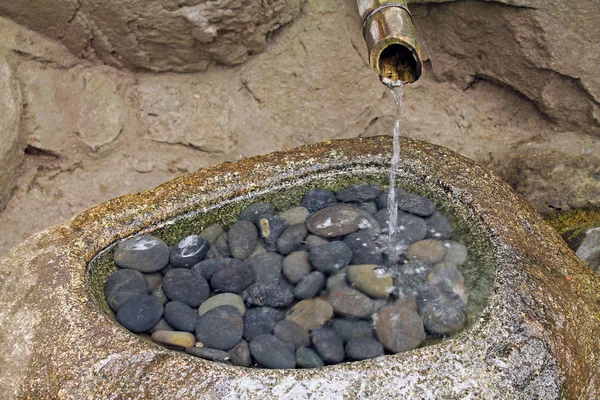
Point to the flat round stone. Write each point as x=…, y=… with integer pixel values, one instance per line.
x=270, y=352
x=317, y=199
x=295, y=215
x=189, y=287
x=223, y=299
x=399, y=327
x=233, y=276
x=207, y=268
x=242, y=238
x=292, y=238
x=448, y=277
x=122, y=285
x=334, y=221
x=443, y=313
x=308, y=358
x=271, y=294
x=350, y=302
x=330, y=258
x=142, y=253
x=309, y=286
x=309, y=314
x=211, y=233
x=348, y=329
x=364, y=249
x=240, y=354
x=313, y=241
x=415, y=204
x=363, y=348
x=410, y=228
x=267, y=266
x=179, y=340
x=438, y=227
x=428, y=250
x=220, y=328
x=359, y=193
x=209, y=354
x=189, y=251
x=296, y=266
x=382, y=199
x=140, y=313
x=372, y=280
x=260, y=320
x=411, y=277
x=180, y=316
x=328, y=345
x=290, y=332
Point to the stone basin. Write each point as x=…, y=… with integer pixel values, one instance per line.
x=533, y=334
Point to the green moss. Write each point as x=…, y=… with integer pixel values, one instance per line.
x=572, y=225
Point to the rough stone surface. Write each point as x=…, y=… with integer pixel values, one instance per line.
x=180, y=316
x=398, y=326
x=260, y=320
x=220, y=328
x=68, y=346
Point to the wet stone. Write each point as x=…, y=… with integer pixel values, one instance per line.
x=292, y=238
x=209, y=354
x=456, y=253
x=179, y=340
x=296, y=266
x=309, y=314
x=240, y=354
x=382, y=200
x=180, y=316
x=242, y=238
x=368, y=224
x=410, y=228
x=271, y=294
x=234, y=276
x=364, y=250
x=271, y=227
x=219, y=248
x=189, y=251
x=211, y=233
x=350, y=302
x=443, y=312
x=189, y=287
x=330, y=258
x=329, y=346
x=373, y=280
x=415, y=204
x=142, y=253
x=270, y=352
x=122, y=285
x=220, y=328
x=290, y=332
x=428, y=250
x=359, y=193
x=309, y=286
x=447, y=277
x=438, y=227
x=308, y=358
x=369, y=206
x=317, y=199
x=411, y=277
x=399, y=327
x=295, y=215
x=267, y=267
x=348, y=329
x=334, y=221
x=140, y=313
x=363, y=348
x=260, y=320
x=255, y=210
x=223, y=299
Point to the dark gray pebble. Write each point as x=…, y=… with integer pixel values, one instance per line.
x=189, y=251
x=364, y=249
x=308, y=358
x=270, y=352
x=368, y=207
x=220, y=328
x=140, y=313
x=180, y=316
x=310, y=285
x=415, y=204
x=143, y=253
x=207, y=268
x=260, y=320
x=330, y=258
x=220, y=247
x=359, y=193
x=410, y=228
x=328, y=345
x=438, y=227
x=209, y=354
x=348, y=329
x=271, y=294
x=255, y=210
x=240, y=354
x=242, y=238
x=292, y=238
x=296, y=266
x=313, y=241
x=187, y=286
x=363, y=348
x=317, y=199
x=410, y=278
x=382, y=199
x=122, y=285
x=270, y=228
x=267, y=266
x=443, y=312
x=233, y=276
x=289, y=332
x=161, y=325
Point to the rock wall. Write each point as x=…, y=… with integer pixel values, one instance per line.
x=157, y=35
x=547, y=50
